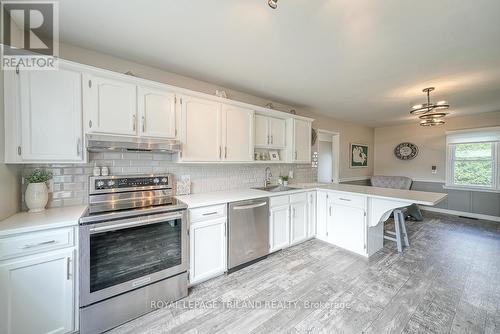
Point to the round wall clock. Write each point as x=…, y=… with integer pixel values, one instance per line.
x=406, y=151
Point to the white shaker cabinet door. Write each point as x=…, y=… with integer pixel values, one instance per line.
x=322, y=215
x=277, y=130
x=347, y=228
x=279, y=226
x=262, y=137
x=37, y=294
x=237, y=133
x=51, y=115
x=156, y=112
x=207, y=249
x=298, y=222
x=111, y=106
x=302, y=141
x=311, y=208
x=201, y=129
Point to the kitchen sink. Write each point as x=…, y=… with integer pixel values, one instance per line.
x=275, y=189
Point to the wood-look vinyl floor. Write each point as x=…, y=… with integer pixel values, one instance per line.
x=448, y=281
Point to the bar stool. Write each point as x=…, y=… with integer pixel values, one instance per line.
x=399, y=230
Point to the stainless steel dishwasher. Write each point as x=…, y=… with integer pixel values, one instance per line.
x=248, y=232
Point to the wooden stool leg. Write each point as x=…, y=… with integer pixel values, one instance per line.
x=403, y=229
x=397, y=227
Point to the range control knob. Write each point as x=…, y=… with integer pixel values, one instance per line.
x=164, y=180
x=156, y=180
x=111, y=183
x=100, y=184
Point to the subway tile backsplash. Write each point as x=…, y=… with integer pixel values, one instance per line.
x=70, y=182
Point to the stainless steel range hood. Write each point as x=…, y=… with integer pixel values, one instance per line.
x=107, y=143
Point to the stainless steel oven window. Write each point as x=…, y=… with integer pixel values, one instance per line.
x=122, y=255
x=87, y=231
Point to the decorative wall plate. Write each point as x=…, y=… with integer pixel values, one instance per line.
x=406, y=151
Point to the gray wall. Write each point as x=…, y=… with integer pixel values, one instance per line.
x=485, y=203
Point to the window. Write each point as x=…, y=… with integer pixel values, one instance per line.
x=473, y=159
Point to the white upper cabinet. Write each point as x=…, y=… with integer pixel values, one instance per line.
x=237, y=133
x=156, y=109
x=51, y=115
x=201, y=129
x=111, y=105
x=270, y=132
x=261, y=128
x=277, y=132
x=301, y=141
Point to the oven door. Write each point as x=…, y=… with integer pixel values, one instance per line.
x=122, y=255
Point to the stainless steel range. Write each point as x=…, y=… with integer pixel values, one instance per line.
x=133, y=249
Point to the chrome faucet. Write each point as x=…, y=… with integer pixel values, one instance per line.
x=268, y=177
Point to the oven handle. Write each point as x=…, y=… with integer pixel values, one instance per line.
x=133, y=223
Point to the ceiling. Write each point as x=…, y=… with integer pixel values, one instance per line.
x=360, y=60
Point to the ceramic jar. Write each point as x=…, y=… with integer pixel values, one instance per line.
x=36, y=196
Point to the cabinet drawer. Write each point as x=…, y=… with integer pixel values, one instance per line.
x=208, y=212
x=36, y=242
x=301, y=197
x=279, y=200
x=349, y=200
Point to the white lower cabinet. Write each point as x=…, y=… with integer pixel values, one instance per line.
x=37, y=293
x=345, y=222
x=208, y=244
x=321, y=214
x=279, y=231
x=346, y=228
x=311, y=211
x=298, y=218
x=289, y=221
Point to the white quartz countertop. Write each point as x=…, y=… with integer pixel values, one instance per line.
x=221, y=197
x=410, y=196
x=23, y=222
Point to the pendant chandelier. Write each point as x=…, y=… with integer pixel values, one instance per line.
x=430, y=113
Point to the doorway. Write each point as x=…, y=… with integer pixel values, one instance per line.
x=328, y=146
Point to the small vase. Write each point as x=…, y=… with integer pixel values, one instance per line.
x=36, y=196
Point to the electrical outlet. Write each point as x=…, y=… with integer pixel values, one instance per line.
x=290, y=174
x=434, y=169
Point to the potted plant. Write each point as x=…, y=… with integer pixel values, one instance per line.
x=37, y=193
x=284, y=179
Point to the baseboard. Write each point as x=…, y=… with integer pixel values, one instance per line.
x=461, y=213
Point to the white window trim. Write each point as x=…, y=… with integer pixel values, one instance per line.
x=450, y=172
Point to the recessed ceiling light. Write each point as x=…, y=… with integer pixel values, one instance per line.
x=273, y=3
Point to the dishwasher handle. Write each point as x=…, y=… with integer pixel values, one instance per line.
x=251, y=206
